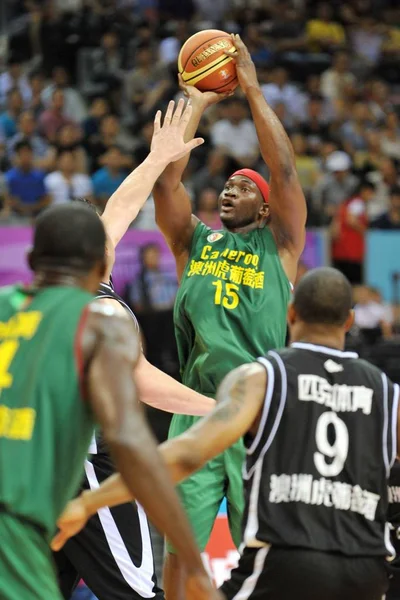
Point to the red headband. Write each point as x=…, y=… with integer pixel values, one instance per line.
x=257, y=179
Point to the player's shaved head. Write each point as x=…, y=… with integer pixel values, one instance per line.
x=323, y=297
x=68, y=236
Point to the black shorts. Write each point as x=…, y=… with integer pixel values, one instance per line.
x=271, y=573
x=113, y=554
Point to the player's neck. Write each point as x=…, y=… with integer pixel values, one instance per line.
x=51, y=278
x=246, y=228
x=320, y=335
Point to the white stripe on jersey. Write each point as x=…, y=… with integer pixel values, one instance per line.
x=139, y=578
x=249, y=584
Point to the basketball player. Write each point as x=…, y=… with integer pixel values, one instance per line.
x=394, y=520
x=114, y=554
x=320, y=429
x=66, y=362
x=234, y=288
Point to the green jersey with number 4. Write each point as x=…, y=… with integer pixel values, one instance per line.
x=231, y=305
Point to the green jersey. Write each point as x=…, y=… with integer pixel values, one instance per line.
x=45, y=425
x=231, y=305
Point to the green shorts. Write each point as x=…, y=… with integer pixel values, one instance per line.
x=202, y=493
x=26, y=565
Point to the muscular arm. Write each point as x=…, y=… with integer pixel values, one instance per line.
x=239, y=402
x=288, y=206
x=111, y=351
x=159, y=390
x=167, y=145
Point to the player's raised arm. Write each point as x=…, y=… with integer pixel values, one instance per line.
x=288, y=205
x=239, y=402
x=167, y=145
x=111, y=350
x=173, y=205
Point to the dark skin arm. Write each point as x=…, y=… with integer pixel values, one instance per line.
x=240, y=400
x=111, y=350
x=172, y=202
x=287, y=202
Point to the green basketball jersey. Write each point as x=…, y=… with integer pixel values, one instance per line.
x=45, y=425
x=231, y=305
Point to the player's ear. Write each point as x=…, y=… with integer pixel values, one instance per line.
x=291, y=315
x=30, y=257
x=349, y=321
x=264, y=211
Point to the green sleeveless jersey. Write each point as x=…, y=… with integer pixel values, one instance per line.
x=231, y=305
x=45, y=425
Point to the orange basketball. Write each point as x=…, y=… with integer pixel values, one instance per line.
x=202, y=61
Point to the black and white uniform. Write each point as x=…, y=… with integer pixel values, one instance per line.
x=316, y=480
x=113, y=553
x=394, y=520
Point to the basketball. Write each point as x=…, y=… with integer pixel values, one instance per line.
x=202, y=62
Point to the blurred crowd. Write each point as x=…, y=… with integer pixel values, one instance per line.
x=82, y=80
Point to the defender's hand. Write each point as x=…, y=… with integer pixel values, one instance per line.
x=205, y=99
x=167, y=143
x=199, y=587
x=72, y=520
x=245, y=68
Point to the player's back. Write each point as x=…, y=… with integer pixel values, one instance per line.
x=317, y=469
x=45, y=425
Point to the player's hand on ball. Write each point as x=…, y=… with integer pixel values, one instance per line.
x=167, y=142
x=245, y=68
x=199, y=587
x=204, y=98
x=72, y=520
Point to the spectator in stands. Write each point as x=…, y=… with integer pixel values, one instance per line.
x=323, y=33
x=36, y=81
x=9, y=118
x=338, y=82
x=152, y=295
x=107, y=179
x=390, y=139
x=379, y=101
x=281, y=90
x=335, y=187
x=207, y=208
x=67, y=183
x=235, y=135
x=353, y=131
x=69, y=138
x=314, y=128
x=369, y=159
x=391, y=218
x=308, y=167
x=53, y=119
x=144, y=140
x=13, y=78
x=26, y=194
x=260, y=51
x=148, y=84
x=170, y=46
x=371, y=315
x=27, y=132
x=110, y=135
x=367, y=38
x=108, y=67
x=212, y=175
x=91, y=125
x=385, y=178
x=74, y=105
x=348, y=229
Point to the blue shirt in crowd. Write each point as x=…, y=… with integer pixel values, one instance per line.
x=105, y=184
x=28, y=187
x=8, y=125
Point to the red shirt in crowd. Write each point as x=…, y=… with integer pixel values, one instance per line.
x=349, y=243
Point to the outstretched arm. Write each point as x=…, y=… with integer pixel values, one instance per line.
x=112, y=344
x=173, y=205
x=239, y=402
x=167, y=145
x=288, y=205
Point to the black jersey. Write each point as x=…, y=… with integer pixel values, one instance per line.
x=394, y=495
x=106, y=290
x=318, y=466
